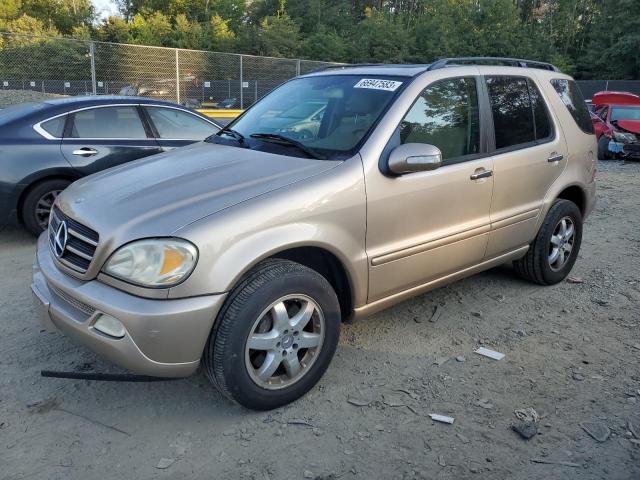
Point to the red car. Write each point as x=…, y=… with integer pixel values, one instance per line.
x=616, y=119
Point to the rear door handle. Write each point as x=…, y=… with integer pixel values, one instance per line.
x=85, y=152
x=555, y=157
x=482, y=174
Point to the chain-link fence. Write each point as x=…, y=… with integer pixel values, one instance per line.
x=196, y=78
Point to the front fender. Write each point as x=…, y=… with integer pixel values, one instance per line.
x=327, y=211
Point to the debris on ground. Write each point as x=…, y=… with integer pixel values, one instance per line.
x=441, y=461
x=441, y=361
x=526, y=430
x=527, y=415
x=307, y=474
x=165, y=463
x=460, y=358
x=441, y=418
x=485, y=352
x=484, y=403
x=358, y=402
x=462, y=438
x=556, y=462
x=575, y=280
x=599, y=431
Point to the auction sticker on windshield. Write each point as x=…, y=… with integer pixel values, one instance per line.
x=378, y=84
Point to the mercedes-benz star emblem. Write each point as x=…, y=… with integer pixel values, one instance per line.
x=60, y=239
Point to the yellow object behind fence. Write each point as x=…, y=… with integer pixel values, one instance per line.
x=220, y=113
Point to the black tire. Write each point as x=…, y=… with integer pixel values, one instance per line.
x=603, y=148
x=224, y=358
x=31, y=212
x=535, y=266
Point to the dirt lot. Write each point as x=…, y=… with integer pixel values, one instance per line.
x=14, y=97
x=572, y=353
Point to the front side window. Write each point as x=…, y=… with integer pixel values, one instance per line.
x=329, y=116
x=574, y=101
x=512, y=114
x=445, y=115
x=179, y=125
x=108, y=122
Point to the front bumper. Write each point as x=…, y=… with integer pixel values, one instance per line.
x=625, y=150
x=163, y=338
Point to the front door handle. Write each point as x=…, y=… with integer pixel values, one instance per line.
x=85, y=152
x=555, y=157
x=482, y=174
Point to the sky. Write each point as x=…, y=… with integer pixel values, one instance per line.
x=104, y=8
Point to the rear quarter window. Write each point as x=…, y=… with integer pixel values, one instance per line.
x=574, y=101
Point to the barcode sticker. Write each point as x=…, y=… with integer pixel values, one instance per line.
x=378, y=84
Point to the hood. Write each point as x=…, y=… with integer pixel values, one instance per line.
x=632, y=126
x=160, y=194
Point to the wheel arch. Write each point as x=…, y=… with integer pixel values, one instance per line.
x=575, y=194
x=329, y=266
x=37, y=181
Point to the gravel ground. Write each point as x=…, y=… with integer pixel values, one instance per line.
x=572, y=354
x=13, y=97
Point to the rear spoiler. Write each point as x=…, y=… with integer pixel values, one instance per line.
x=615, y=98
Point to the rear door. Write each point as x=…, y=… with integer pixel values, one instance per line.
x=174, y=127
x=105, y=136
x=529, y=155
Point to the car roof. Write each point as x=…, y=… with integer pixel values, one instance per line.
x=89, y=100
x=396, y=70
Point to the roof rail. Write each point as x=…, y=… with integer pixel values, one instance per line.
x=512, y=62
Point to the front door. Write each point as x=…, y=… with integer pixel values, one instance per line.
x=101, y=137
x=422, y=226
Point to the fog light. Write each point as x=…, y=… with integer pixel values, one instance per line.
x=109, y=326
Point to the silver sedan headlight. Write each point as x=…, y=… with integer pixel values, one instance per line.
x=157, y=262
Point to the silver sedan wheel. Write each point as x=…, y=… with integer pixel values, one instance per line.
x=284, y=341
x=561, y=244
x=43, y=208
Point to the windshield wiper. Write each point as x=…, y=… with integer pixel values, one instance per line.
x=232, y=133
x=274, y=137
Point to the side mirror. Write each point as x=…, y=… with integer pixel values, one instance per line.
x=414, y=157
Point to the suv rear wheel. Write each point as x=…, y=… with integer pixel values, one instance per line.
x=275, y=335
x=555, y=249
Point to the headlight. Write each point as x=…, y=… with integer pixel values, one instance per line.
x=624, y=137
x=159, y=262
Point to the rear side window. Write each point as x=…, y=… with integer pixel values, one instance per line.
x=512, y=113
x=55, y=126
x=541, y=117
x=108, y=122
x=445, y=115
x=574, y=101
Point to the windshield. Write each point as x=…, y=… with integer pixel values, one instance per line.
x=625, y=113
x=329, y=115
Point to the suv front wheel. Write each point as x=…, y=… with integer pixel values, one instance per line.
x=275, y=335
x=555, y=249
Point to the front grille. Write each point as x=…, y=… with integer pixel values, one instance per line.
x=77, y=304
x=81, y=242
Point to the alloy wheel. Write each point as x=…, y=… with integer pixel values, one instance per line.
x=43, y=208
x=284, y=341
x=561, y=244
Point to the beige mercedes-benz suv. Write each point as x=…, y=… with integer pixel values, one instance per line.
x=245, y=252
